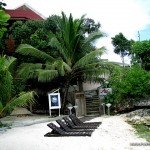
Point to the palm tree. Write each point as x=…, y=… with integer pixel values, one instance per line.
x=8, y=101
x=78, y=58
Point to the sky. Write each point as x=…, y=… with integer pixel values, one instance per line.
x=115, y=16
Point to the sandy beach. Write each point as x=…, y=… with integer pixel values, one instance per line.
x=113, y=134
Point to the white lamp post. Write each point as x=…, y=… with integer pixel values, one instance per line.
x=75, y=107
x=108, y=106
x=70, y=107
x=103, y=105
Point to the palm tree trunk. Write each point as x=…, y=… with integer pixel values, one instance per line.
x=80, y=84
x=65, y=95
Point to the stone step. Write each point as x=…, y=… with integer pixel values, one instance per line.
x=92, y=103
x=91, y=110
x=93, y=113
x=92, y=106
x=96, y=97
x=92, y=100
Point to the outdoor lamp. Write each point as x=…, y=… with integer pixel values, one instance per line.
x=103, y=104
x=108, y=106
x=75, y=107
x=70, y=107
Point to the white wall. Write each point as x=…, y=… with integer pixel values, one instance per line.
x=90, y=85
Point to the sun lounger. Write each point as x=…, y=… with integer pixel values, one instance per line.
x=66, y=128
x=60, y=132
x=77, y=121
x=73, y=126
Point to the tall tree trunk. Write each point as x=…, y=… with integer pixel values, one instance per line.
x=122, y=57
x=65, y=95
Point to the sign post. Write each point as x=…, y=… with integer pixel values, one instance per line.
x=102, y=93
x=54, y=101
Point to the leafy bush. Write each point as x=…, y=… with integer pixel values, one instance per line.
x=8, y=99
x=109, y=98
x=129, y=84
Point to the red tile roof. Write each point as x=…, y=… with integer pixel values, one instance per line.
x=24, y=12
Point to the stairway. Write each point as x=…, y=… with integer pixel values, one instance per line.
x=92, y=103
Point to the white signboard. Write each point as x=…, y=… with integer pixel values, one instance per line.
x=103, y=92
x=54, y=101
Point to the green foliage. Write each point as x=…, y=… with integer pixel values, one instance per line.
x=19, y=85
x=109, y=98
x=143, y=131
x=90, y=26
x=130, y=83
x=22, y=31
x=29, y=50
x=5, y=80
x=122, y=45
x=141, y=51
x=3, y=19
x=3, y=23
x=50, y=23
x=7, y=98
x=35, y=32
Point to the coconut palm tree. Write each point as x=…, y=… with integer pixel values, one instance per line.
x=8, y=101
x=78, y=57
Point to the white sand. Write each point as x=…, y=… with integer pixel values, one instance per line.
x=113, y=134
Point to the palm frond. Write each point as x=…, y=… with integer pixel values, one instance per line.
x=5, y=86
x=10, y=63
x=29, y=50
x=60, y=66
x=55, y=43
x=66, y=67
x=94, y=36
x=91, y=71
x=94, y=70
x=1, y=106
x=95, y=74
x=28, y=70
x=88, y=58
x=46, y=75
x=69, y=37
x=23, y=99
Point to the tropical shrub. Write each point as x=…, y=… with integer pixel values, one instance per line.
x=3, y=23
x=140, y=54
x=8, y=100
x=129, y=85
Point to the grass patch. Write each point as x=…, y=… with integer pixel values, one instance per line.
x=143, y=131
